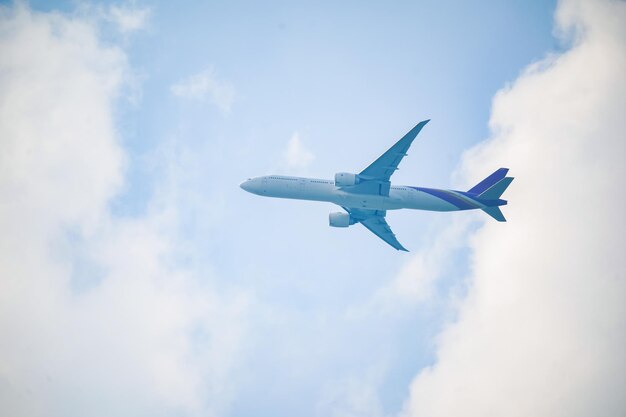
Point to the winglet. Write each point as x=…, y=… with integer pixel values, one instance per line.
x=418, y=127
x=412, y=134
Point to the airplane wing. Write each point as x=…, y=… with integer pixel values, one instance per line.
x=380, y=170
x=374, y=220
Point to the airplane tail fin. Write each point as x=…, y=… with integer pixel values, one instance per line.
x=490, y=190
x=496, y=190
x=489, y=182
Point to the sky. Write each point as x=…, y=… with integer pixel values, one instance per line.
x=137, y=278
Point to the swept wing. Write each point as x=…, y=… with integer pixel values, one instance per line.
x=375, y=178
x=374, y=220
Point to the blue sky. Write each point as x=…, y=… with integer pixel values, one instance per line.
x=347, y=79
x=351, y=78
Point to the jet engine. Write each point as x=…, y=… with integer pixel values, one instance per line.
x=345, y=179
x=339, y=220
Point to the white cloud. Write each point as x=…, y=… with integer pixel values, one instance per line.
x=97, y=315
x=414, y=283
x=543, y=328
x=297, y=156
x=127, y=17
x=203, y=84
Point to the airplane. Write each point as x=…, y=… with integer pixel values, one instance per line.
x=367, y=196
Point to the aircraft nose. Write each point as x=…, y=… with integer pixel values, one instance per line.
x=245, y=185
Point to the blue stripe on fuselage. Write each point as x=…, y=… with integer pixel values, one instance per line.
x=451, y=197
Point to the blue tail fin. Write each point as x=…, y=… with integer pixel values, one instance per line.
x=489, y=191
x=488, y=182
x=495, y=191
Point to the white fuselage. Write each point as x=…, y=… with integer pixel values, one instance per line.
x=400, y=197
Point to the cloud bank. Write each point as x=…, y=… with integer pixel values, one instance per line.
x=97, y=314
x=543, y=327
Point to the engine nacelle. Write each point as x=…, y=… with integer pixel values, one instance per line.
x=339, y=220
x=346, y=179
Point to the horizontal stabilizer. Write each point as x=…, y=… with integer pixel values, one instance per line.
x=495, y=213
x=495, y=191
